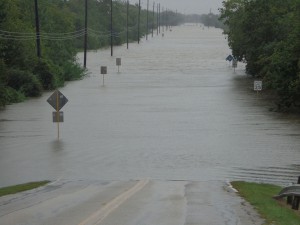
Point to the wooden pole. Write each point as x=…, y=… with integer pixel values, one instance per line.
x=159, y=22
x=147, y=19
x=153, y=16
x=111, y=28
x=85, y=33
x=127, y=24
x=157, y=19
x=37, y=28
x=139, y=21
x=163, y=19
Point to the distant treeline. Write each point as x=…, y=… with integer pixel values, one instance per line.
x=23, y=74
x=209, y=20
x=266, y=34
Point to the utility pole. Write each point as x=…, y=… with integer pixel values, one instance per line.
x=147, y=19
x=159, y=17
x=127, y=24
x=153, y=17
x=163, y=19
x=139, y=21
x=37, y=28
x=111, y=28
x=167, y=18
x=85, y=33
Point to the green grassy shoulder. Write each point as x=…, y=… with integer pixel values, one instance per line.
x=21, y=187
x=273, y=211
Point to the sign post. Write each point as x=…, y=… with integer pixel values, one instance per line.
x=234, y=64
x=103, y=71
x=57, y=100
x=258, y=85
x=118, y=62
x=229, y=58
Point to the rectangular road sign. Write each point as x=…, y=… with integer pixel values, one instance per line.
x=57, y=100
x=103, y=70
x=257, y=85
x=234, y=63
x=118, y=61
x=58, y=117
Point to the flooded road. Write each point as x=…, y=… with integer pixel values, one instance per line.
x=176, y=111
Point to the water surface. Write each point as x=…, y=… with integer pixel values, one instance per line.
x=176, y=111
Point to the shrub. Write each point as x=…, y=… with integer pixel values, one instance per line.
x=24, y=82
x=72, y=71
x=13, y=96
x=49, y=75
x=2, y=96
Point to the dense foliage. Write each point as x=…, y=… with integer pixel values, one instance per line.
x=266, y=34
x=212, y=20
x=23, y=74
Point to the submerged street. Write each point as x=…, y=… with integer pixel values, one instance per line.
x=172, y=127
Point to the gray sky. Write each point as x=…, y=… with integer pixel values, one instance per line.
x=186, y=6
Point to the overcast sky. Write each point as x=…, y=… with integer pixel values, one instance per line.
x=186, y=6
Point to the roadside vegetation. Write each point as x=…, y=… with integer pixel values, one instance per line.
x=21, y=187
x=62, y=30
x=266, y=35
x=261, y=197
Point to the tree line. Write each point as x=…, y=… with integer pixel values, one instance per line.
x=266, y=35
x=208, y=20
x=62, y=30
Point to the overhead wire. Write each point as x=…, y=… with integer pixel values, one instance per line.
x=55, y=36
x=10, y=35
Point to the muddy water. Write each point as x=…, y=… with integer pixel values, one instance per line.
x=176, y=111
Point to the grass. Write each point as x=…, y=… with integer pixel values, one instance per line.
x=273, y=211
x=21, y=187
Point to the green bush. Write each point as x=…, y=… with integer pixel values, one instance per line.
x=24, y=82
x=2, y=96
x=13, y=96
x=72, y=71
x=3, y=78
x=49, y=75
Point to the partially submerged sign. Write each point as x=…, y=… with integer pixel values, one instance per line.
x=229, y=58
x=118, y=61
x=234, y=63
x=103, y=70
x=258, y=85
x=58, y=117
x=57, y=100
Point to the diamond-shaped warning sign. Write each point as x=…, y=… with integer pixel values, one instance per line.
x=57, y=100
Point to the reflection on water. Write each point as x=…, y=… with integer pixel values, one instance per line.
x=57, y=145
x=176, y=111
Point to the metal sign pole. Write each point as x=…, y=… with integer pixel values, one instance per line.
x=103, y=71
x=57, y=113
x=57, y=100
x=118, y=63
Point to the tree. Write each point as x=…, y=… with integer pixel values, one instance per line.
x=266, y=34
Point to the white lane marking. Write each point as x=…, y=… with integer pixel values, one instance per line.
x=101, y=214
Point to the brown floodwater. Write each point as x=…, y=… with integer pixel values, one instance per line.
x=176, y=111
